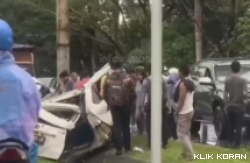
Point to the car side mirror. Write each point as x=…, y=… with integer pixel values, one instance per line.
x=206, y=81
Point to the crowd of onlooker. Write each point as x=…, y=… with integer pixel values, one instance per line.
x=127, y=91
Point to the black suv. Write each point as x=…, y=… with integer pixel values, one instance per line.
x=209, y=76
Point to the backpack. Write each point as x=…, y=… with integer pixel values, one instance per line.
x=189, y=84
x=117, y=92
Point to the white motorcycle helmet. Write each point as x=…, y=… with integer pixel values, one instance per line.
x=173, y=71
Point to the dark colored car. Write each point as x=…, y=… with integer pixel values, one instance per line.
x=209, y=76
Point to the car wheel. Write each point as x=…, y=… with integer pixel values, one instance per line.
x=218, y=120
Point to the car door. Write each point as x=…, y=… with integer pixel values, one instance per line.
x=203, y=96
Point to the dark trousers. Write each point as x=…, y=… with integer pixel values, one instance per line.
x=164, y=127
x=235, y=119
x=121, y=130
x=172, y=126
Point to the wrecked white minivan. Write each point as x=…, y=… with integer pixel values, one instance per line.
x=74, y=124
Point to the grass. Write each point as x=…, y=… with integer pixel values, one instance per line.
x=45, y=161
x=171, y=155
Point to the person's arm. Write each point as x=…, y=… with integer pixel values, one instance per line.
x=246, y=95
x=131, y=87
x=182, y=95
x=59, y=88
x=145, y=91
x=103, y=81
x=105, y=90
x=225, y=95
x=167, y=96
x=70, y=86
x=169, y=100
x=245, y=89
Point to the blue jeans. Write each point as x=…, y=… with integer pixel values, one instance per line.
x=33, y=153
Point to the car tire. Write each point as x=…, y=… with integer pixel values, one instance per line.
x=218, y=118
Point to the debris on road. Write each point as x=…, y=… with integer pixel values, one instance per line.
x=138, y=149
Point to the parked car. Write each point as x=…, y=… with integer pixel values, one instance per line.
x=74, y=124
x=209, y=76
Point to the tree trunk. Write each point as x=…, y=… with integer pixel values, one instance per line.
x=116, y=14
x=63, y=36
x=198, y=29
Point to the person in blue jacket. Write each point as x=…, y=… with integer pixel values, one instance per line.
x=20, y=100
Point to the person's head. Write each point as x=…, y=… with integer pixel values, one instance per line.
x=184, y=71
x=129, y=69
x=64, y=76
x=173, y=71
x=140, y=73
x=6, y=36
x=74, y=76
x=235, y=66
x=116, y=62
x=173, y=74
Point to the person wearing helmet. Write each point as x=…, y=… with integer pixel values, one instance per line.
x=173, y=81
x=19, y=98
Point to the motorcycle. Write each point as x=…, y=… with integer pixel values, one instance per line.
x=13, y=151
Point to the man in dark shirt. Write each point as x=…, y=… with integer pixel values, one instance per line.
x=146, y=88
x=119, y=90
x=66, y=84
x=235, y=93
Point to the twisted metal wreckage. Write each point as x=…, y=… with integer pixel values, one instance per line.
x=75, y=123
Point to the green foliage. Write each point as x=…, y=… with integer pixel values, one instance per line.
x=226, y=28
x=242, y=40
x=178, y=44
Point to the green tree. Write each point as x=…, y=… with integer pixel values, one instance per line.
x=96, y=33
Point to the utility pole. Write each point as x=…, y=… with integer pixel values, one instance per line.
x=198, y=29
x=116, y=14
x=156, y=76
x=63, y=36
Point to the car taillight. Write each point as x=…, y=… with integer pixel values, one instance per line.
x=11, y=155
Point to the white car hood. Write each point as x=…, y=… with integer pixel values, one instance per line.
x=54, y=120
x=98, y=110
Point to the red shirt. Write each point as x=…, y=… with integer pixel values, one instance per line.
x=81, y=83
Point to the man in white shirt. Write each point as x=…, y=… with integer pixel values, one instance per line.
x=185, y=111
